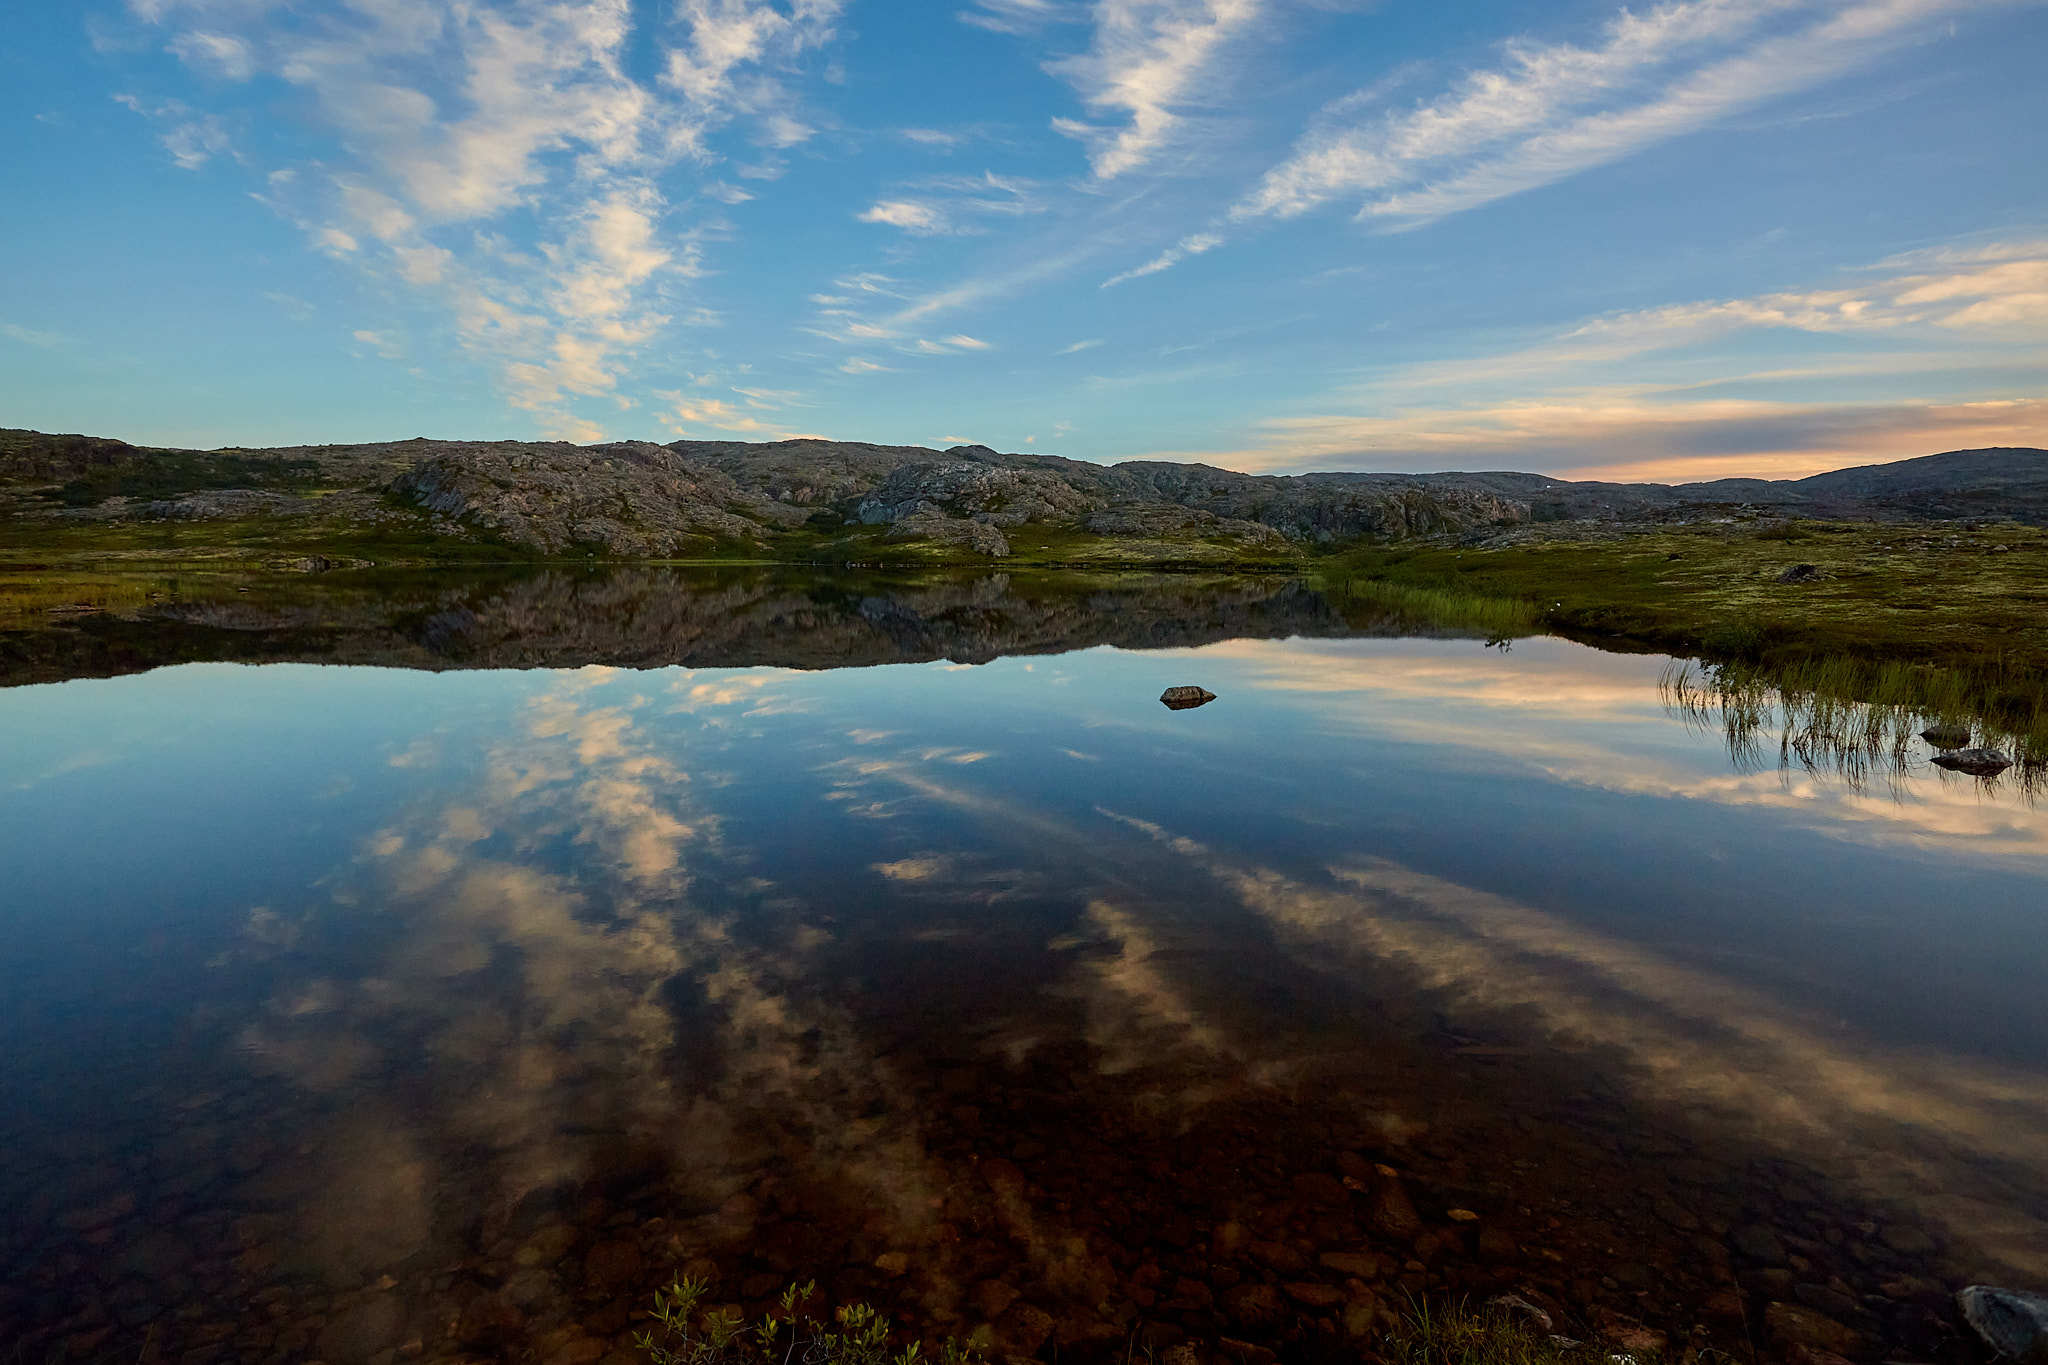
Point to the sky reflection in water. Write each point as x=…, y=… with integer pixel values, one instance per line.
x=552, y=920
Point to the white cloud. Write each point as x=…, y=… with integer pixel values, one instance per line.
x=781, y=130
x=1550, y=111
x=450, y=113
x=383, y=343
x=422, y=265
x=1146, y=62
x=705, y=412
x=856, y=365
x=192, y=139
x=1017, y=17
x=219, y=54
x=908, y=214
x=1193, y=245
x=1075, y=348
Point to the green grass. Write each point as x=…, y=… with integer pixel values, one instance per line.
x=248, y=543
x=1457, y=1334
x=1976, y=600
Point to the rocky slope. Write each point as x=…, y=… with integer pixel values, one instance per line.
x=637, y=499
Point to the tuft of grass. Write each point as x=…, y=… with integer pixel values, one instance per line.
x=1457, y=1334
x=685, y=1332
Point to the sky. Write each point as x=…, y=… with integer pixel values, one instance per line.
x=1676, y=241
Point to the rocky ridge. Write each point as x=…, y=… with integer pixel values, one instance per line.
x=636, y=499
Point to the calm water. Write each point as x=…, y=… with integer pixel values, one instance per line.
x=353, y=1010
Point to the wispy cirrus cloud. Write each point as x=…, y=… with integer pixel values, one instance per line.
x=192, y=138
x=1019, y=17
x=1146, y=64
x=950, y=204
x=1549, y=111
x=1192, y=245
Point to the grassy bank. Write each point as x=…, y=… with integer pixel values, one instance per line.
x=1972, y=599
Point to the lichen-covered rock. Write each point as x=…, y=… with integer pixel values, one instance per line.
x=629, y=498
x=928, y=523
x=994, y=494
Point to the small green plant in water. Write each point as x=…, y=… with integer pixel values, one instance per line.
x=684, y=1332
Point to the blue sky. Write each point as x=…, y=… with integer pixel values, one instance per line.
x=1677, y=241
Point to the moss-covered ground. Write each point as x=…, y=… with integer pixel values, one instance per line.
x=1899, y=593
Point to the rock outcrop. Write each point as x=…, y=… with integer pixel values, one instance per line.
x=630, y=498
x=635, y=498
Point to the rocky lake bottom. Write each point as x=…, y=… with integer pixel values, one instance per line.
x=441, y=988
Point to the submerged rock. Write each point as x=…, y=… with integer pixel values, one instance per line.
x=1947, y=736
x=2015, y=1324
x=1185, y=698
x=1975, y=762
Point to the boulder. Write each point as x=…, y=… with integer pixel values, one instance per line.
x=1947, y=736
x=1975, y=762
x=1801, y=573
x=1186, y=698
x=2012, y=1322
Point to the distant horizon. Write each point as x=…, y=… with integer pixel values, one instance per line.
x=1472, y=470
x=1703, y=239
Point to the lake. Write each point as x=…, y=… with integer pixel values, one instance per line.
x=433, y=971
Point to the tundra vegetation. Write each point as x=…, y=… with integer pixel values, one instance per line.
x=1918, y=588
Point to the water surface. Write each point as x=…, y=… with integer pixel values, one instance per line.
x=360, y=1008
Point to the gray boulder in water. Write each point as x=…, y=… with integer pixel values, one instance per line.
x=1975, y=762
x=1947, y=736
x=2014, y=1323
x=1186, y=698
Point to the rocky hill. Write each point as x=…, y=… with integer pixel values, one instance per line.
x=635, y=499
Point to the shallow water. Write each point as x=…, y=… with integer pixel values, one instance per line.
x=359, y=1009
